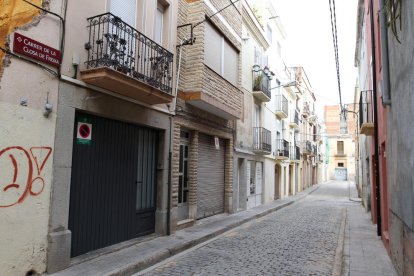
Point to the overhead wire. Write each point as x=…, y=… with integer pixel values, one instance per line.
x=332, y=10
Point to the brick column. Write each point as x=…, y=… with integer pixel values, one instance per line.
x=228, y=177
x=192, y=174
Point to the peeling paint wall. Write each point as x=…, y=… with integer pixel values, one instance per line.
x=14, y=13
x=26, y=140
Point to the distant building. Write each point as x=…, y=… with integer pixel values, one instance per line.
x=340, y=133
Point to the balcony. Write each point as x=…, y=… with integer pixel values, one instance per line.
x=262, y=141
x=319, y=158
x=282, y=149
x=314, y=150
x=281, y=107
x=366, y=121
x=294, y=119
x=294, y=153
x=307, y=148
x=261, y=82
x=306, y=110
x=126, y=62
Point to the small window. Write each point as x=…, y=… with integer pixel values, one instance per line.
x=269, y=34
x=340, y=147
x=341, y=165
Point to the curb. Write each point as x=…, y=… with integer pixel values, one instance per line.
x=337, y=268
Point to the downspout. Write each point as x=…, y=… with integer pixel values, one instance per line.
x=170, y=145
x=375, y=105
x=386, y=92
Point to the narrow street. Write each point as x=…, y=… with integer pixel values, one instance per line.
x=301, y=239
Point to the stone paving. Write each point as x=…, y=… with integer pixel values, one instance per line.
x=298, y=240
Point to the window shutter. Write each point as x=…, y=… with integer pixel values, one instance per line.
x=125, y=9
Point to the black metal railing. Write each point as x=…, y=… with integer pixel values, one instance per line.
x=306, y=108
x=314, y=149
x=262, y=139
x=365, y=109
x=281, y=104
x=261, y=82
x=319, y=158
x=115, y=44
x=294, y=117
x=282, y=148
x=294, y=153
x=308, y=146
x=297, y=150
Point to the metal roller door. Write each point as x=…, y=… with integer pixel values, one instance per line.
x=113, y=191
x=210, y=187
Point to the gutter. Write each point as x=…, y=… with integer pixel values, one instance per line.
x=375, y=106
x=385, y=83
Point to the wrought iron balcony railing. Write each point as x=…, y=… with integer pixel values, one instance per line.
x=115, y=44
x=366, y=121
x=306, y=109
x=294, y=119
x=261, y=82
x=294, y=153
x=308, y=146
x=282, y=148
x=262, y=140
x=282, y=105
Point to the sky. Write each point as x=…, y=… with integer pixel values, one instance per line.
x=310, y=45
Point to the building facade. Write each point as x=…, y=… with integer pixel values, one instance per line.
x=341, y=142
x=384, y=100
x=134, y=122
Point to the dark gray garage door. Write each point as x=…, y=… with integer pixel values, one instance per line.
x=112, y=196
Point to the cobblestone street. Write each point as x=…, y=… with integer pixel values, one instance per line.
x=298, y=240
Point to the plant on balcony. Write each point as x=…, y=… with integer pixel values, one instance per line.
x=257, y=82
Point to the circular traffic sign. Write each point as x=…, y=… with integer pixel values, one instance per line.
x=84, y=131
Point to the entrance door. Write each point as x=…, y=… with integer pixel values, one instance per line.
x=183, y=177
x=277, y=183
x=113, y=191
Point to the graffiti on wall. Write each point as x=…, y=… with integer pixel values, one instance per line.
x=20, y=173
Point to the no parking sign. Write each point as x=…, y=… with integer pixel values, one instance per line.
x=84, y=131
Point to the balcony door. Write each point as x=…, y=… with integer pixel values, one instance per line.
x=125, y=9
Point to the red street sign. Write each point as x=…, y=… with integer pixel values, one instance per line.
x=84, y=131
x=36, y=50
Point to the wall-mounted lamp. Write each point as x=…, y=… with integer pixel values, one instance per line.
x=292, y=83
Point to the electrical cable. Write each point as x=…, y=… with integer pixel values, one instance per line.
x=62, y=38
x=30, y=61
x=335, y=44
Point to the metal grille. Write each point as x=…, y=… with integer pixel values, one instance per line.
x=210, y=188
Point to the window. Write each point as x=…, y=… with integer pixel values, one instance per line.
x=183, y=169
x=125, y=9
x=220, y=55
x=340, y=147
x=269, y=34
x=341, y=165
x=158, y=24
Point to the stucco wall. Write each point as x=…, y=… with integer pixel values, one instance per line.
x=401, y=144
x=26, y=143
x=26, y=150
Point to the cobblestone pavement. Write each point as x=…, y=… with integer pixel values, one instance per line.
x=298, y=240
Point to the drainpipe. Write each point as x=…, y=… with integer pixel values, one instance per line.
x=170, y=144
x=375, y=105
x=386, y=92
